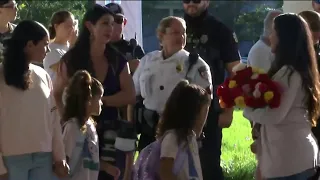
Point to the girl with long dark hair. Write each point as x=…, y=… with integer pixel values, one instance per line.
x=31, y=138
x=288, y=148
x=83, y=100
x=92, y=53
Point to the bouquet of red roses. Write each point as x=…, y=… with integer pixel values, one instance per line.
x=249, y=87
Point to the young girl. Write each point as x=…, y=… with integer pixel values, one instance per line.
x=63, y=33
x=31, y=138
x=83, y=99
x=182, y=121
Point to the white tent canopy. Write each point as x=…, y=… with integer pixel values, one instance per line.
x=296, y=6
x=133, y=12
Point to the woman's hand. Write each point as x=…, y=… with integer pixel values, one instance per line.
x=61, y=169
x=73, y=37
x=61, y=80
x=110, y=169
x=225, y=118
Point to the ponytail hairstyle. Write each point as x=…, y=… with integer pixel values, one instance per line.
x=182, y=109
x=15, y=61
x=78, y=95
x=56, y=19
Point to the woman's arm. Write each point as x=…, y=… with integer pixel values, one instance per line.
x=59, y=85
x=169, y=151
x=126, y=95
x=276, y=115
x=3, y=169
x=129, y=165
x=166, y=166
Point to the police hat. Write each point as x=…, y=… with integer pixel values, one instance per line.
x=312, y=18
x=115, y=8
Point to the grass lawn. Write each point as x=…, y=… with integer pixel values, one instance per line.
x=237, y=160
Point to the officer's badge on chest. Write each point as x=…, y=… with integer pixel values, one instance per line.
x=179, y=66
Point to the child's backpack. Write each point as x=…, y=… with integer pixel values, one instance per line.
x=148, y=162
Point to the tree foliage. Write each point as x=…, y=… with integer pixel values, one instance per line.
x=42, y=11
x=249, y=25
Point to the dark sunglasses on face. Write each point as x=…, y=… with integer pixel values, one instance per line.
x=119, y=20
x=194, y=1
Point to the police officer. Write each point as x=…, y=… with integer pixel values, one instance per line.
x=217, y=45
x=130, y=49
x=160, y=71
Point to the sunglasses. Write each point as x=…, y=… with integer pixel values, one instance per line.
x=194, y=1
x=119, y=20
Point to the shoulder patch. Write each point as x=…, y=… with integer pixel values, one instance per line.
x=53, y=109
x=235, y=37
x=204, y=72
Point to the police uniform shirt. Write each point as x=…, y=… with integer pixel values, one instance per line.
x=213, y=41
x=127, y=50
x=155, y=78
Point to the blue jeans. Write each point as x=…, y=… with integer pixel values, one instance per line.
x=300, y=176
x=34, y=166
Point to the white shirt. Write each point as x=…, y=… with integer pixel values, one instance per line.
x=170, y=148
x=89, y=169
x=155, y=78
x=287, y=144
x=260, y=56
x=29, y=122
x=53, y=57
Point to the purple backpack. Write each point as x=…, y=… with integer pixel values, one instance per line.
x=148, y=162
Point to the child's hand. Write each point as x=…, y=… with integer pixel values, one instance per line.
x=110, y=169
x=61, y=169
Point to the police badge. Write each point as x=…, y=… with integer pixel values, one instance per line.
x=179, y=67
x=204, y=38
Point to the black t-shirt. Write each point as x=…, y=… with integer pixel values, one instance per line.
x=127, y=50
x=214, y=42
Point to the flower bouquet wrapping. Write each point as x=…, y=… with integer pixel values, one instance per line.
x=249, y=87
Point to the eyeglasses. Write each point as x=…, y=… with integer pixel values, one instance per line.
x=194, y=1
x=119, y=20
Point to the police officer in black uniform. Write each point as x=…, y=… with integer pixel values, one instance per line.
x=217, y=45
x=130, y=49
